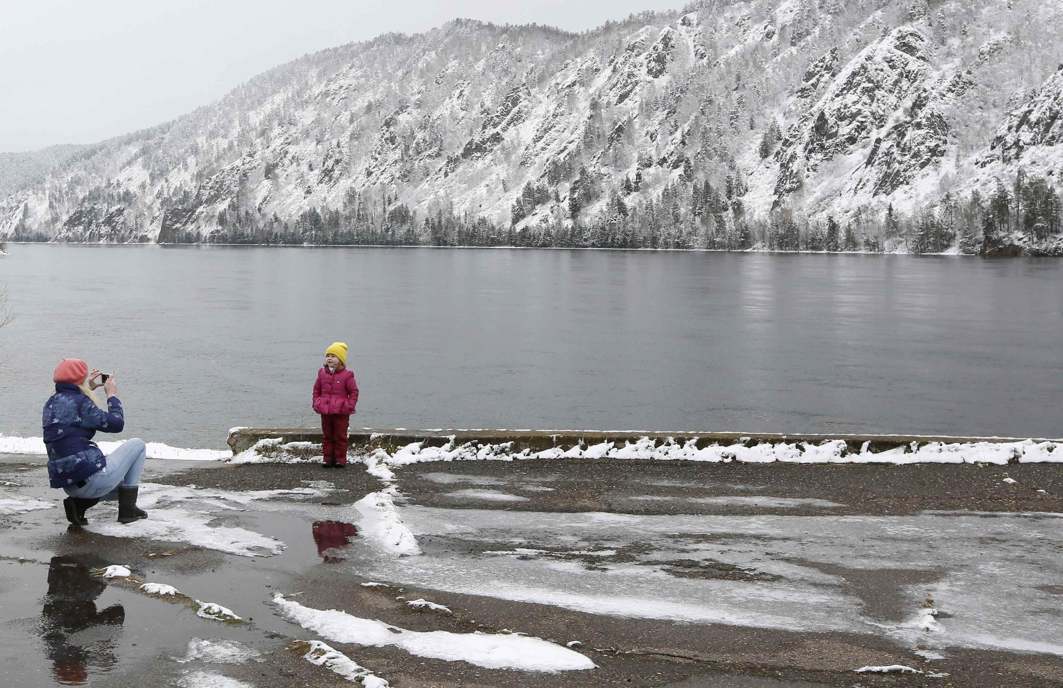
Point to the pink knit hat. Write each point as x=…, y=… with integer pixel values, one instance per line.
x=72, y=370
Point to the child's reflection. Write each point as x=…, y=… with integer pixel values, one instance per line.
x=69, y=610
x=331, y=537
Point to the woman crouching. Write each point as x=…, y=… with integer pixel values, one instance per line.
x=75, y=463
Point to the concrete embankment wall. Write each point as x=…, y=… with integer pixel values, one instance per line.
x=241, y=439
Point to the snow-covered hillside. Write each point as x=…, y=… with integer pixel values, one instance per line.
x=882, y=124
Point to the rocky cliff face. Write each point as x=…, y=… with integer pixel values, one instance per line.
x=877, y=103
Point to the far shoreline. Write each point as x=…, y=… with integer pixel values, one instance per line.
x=754, y=251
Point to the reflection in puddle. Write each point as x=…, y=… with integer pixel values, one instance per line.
x=69, y=618
x=331, y=538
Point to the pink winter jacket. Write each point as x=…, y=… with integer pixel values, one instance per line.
x=335, y=393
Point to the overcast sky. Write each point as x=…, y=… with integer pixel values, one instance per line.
x=79, y=71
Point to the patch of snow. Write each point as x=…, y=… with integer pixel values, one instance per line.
x=216, y=612
x=491, y=651
x=335, y=661
x=1010, y=481
x=380, y=523
x=116, y=571
x=431, y=606
x=889, y=669
x=160, y=589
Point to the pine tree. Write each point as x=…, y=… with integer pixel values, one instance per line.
x=832, y=240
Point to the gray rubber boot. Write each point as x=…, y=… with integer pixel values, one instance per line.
x=127, y=505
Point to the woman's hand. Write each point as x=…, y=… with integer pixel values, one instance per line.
x=94, y=378
x=111, y=387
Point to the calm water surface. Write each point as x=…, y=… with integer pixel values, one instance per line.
x=203, y=339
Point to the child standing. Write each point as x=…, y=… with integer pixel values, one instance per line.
x=335, y=396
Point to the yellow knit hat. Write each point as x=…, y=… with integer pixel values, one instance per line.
x=339, y=350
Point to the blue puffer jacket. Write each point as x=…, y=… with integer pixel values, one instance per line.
x=70, y=421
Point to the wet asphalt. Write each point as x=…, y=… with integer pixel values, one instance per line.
x=62, y=626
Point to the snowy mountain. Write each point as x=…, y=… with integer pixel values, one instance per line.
x=21, y=169
x=813, y=124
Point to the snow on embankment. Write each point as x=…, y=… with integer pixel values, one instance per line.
x=156, y=450
x=380, y=523
x=380, y=461
x=488, y=650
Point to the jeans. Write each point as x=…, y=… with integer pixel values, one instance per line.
x=124, y=466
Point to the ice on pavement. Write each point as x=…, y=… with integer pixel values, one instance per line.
x=208, y=679
x=186, y=514
x=195, y=528
x=458, y=478
x=219, y=652
x=486, y=495
x=10, y=505
x=488, y=650
x=758, y=501
x=981, y=595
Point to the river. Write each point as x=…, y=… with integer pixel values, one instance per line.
x=205, y=338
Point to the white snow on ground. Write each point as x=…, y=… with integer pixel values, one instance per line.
x=982, y=596
x=275, y=450
x=160, y=589
x=830, y=451
x=156, y=450
x=430, y=606
x=207, y=679
x=116, y=571
x=486, y=495
x=323, y=655
x=20, y=506
x=760, y=501
x=376, y=465
x=219, y=652
x=491, y=651
x=380, y=523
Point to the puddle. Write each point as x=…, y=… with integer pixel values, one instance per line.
x=79, y=635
